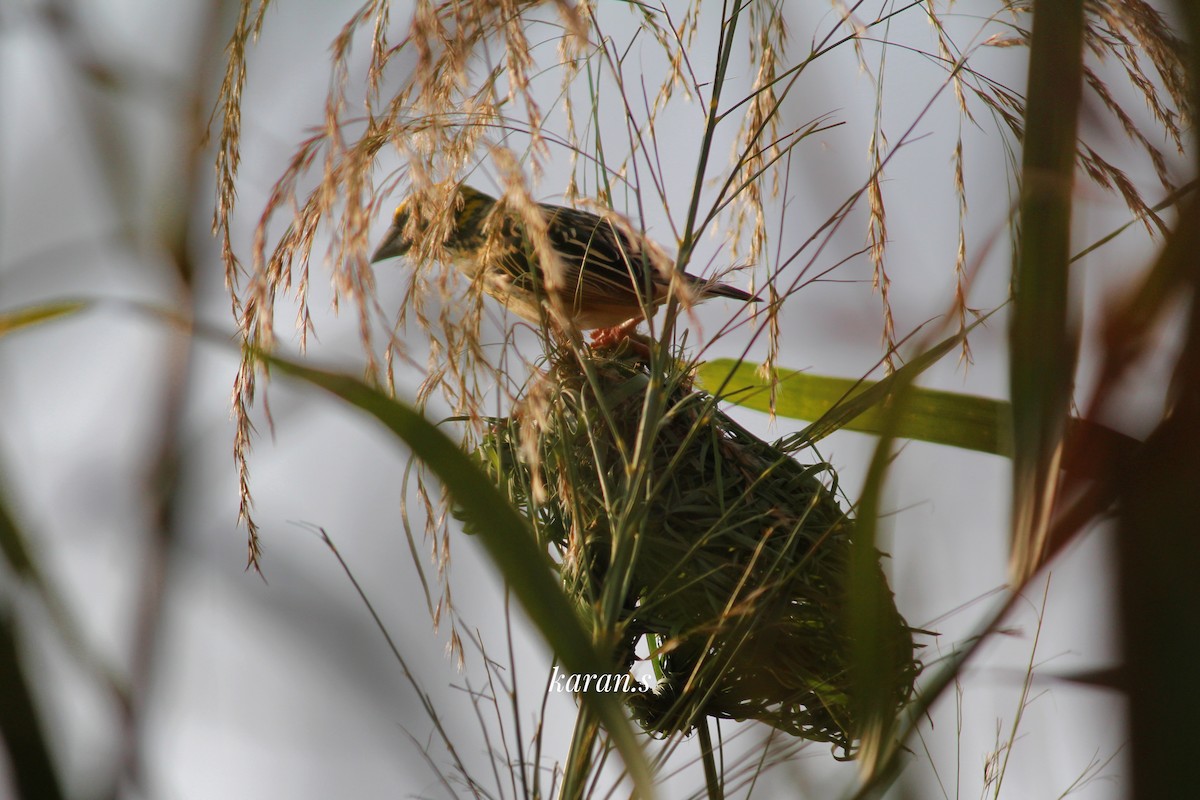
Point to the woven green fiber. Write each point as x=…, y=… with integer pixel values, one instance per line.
x=734, y=555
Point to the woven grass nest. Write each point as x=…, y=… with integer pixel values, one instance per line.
x=731, y=556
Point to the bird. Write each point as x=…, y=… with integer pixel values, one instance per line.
x=608, y=276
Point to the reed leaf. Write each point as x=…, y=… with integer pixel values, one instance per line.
x=1042, y=338
x=929, y=415
x=18, y=319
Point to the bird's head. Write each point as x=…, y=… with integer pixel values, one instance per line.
x=396, y=242
x=468, y=207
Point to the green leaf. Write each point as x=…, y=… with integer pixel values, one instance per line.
x=928, y=415
x=22, y=727
x=506, y=537
x=13, y=546
x=32, y=315
x=1043, y=337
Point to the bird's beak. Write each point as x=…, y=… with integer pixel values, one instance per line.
x=393, y=245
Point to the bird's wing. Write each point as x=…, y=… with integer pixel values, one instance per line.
x=602, y=262
x=506, y=251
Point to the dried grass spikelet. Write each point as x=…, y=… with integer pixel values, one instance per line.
x=734, y=555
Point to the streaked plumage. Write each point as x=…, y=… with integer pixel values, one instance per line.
x=610, y=275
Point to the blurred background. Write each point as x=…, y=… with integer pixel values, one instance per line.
x=181, y=674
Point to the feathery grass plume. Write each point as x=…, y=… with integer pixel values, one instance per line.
x=1132, y=34
x=758, y=147
x=1129, y=33
x=438, y=120
x=732, y=556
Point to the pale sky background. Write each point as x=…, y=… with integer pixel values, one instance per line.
x=284, y=688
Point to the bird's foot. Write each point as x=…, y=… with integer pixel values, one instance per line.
x=621, y=335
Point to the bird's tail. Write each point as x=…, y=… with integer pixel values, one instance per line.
x=732, y=292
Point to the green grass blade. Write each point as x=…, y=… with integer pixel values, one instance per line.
x=22, y=731
x=13, y=546
x=506, y=537
x=32, y=315
x=871, y=667
x=928, y=415
x=1042, y=339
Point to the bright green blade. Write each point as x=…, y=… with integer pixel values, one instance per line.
x=32, y=315
x=1043, y=337
x=928, y=415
